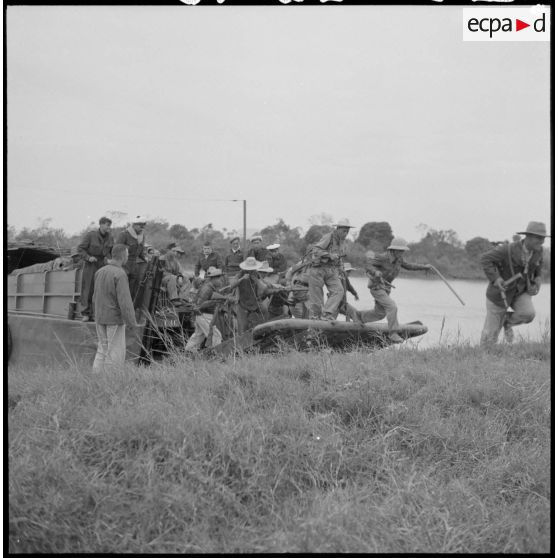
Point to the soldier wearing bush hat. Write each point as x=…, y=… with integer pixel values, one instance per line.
x=514, y=273
x=206, y=300
x=249, y=291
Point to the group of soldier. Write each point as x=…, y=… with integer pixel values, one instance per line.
x=232, y=294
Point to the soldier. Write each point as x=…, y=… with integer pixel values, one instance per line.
x=382, y=269
x=297, y=276
x=326, y=257
x=277, y=296
x=206, y=301
x=173, y=246
x=208, y=258
x=278, y=261
x=114, y=310
x=250, y=291
x=345, y=308
x=258, y=251
x=134, y=238
x=233, y=257
x=95, y=250
x=174, y=282
x=514, y=272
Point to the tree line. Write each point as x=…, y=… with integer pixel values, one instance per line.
x=441, y=248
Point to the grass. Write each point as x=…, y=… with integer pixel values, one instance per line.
x=399, y=450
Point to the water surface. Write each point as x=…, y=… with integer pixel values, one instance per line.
x=448, y=321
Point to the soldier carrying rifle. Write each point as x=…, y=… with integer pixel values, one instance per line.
x=382, y=269
x=514, y=272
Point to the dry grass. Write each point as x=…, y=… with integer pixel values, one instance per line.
x=400, y=450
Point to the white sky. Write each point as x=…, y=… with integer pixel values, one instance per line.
x=375, y=113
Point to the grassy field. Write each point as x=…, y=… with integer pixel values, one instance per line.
x=400, y=450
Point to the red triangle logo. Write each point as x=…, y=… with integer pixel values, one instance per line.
x=519, y=25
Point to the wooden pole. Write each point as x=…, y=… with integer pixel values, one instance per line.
x=449, y=286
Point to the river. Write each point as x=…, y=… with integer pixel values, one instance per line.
x=448, y=321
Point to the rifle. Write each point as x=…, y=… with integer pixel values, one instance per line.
x=512, y=279
x=139, y=296
x=381, y=280
x=505, y=285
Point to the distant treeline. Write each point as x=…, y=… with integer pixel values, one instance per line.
x=441, y=248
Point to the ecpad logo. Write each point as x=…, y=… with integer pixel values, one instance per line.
x=506, y=24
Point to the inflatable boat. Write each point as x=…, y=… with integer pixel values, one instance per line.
x=301, y=334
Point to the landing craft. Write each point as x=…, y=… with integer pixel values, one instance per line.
x=44, y=324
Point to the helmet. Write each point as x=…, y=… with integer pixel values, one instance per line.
x=398, y=243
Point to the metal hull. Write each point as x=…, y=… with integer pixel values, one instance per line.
x=37, y=339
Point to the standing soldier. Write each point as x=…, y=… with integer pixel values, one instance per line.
x=297, y=276
x=208, y=258
x=134, y=238
x=514, y=272
x=258, y=251
x=233, y=257
x=382, y=269
x=326, y=258
x=250, y=291
x=114, y=310
x=345, y=308
x=95, y=249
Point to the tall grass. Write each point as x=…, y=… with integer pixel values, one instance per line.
x=399, y=450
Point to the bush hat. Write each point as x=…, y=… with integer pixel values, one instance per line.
x=213, y=271
x=250, y=264
x=255, y=237
x=344, y=223
x=273, y=246
x=139, y=220
x=265, y=268
x=348, y=267
x=398, y=243
x=536, y=228
x=174, y=246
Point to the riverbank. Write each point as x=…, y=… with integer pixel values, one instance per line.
x=399, y=450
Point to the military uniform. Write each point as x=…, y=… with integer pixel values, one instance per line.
x=326, y=261
x=505, y=261
x=137, y=263
x=385, y=306
x=98, y=245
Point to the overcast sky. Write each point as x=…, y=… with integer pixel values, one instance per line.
x=373, y=113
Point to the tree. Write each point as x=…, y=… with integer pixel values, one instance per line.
x=45, y=234
x=180, y=232
x=375, y=235
x=11, y=233
x=315, y=232
x=435, y=237
x=477, y=246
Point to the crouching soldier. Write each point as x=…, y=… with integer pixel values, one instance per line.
x=514, y=272
x=206, y=300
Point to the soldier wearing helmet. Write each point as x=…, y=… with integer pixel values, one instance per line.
x=382, y=269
